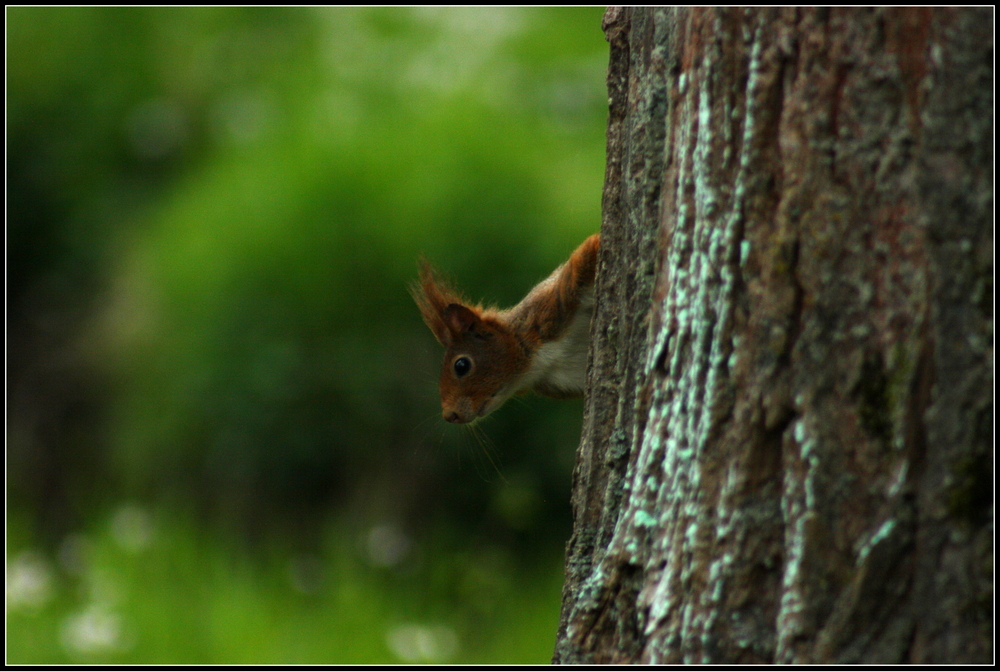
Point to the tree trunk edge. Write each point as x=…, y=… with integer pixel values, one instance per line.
x=937, y=539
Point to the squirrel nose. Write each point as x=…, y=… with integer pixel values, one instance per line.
x=453, y=417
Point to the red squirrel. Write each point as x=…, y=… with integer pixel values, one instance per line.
x=540, y=344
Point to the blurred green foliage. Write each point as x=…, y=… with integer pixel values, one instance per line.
x=213, y=216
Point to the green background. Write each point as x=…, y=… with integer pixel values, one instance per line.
x=224, y=436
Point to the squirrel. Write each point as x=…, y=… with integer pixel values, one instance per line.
x=538, y=345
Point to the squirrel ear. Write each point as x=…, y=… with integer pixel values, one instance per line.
x=433, y=297
x=460, y=319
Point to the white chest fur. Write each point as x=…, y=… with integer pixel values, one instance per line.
x=560, y=366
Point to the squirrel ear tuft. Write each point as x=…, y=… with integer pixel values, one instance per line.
x=460, y=319
x=433, y=296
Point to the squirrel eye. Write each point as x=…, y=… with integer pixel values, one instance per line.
x=462, y=366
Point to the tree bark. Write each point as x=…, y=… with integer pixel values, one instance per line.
x=787, y=444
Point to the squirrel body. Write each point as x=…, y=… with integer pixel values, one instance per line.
x=541, y=344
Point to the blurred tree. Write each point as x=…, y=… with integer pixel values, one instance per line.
x=107, y=109
x=787, y=449
x=213, y=215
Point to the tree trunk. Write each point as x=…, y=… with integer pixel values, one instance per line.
x=787, y=444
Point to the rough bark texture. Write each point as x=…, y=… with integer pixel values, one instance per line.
x=787, y=447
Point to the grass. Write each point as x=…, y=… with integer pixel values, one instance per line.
x=139, y=590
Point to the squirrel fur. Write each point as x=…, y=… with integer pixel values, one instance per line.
x=540, y=344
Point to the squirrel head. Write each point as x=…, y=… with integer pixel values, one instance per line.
x=483, y=358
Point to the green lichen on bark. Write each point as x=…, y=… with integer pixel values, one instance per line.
x=797, y=467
